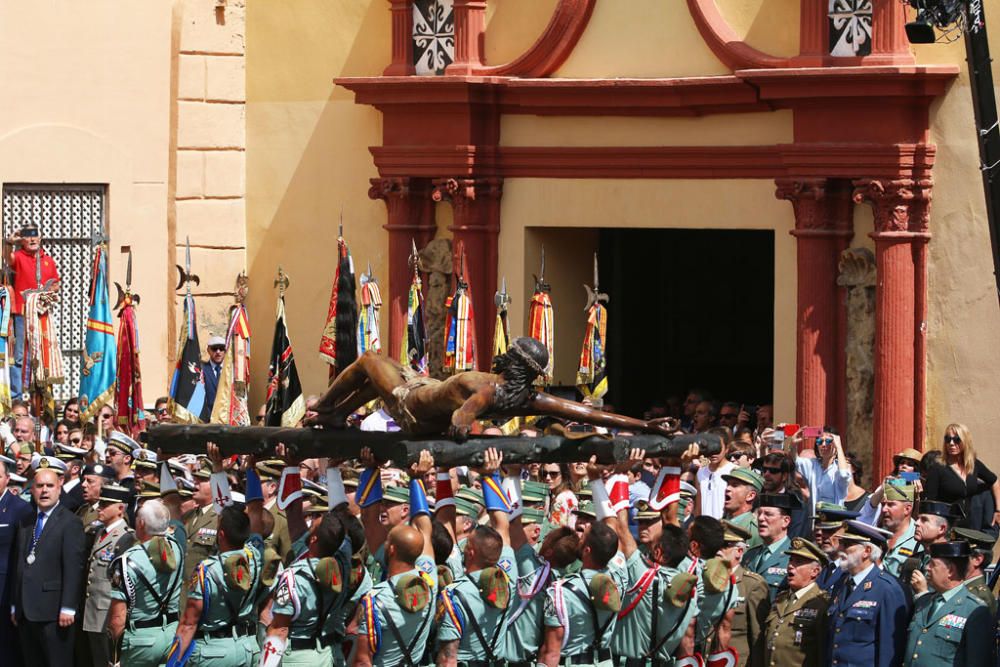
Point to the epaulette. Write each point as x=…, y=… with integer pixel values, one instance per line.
x=372, y=625
x=447, y=607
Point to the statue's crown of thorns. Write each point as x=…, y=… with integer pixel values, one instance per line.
x=525, y=349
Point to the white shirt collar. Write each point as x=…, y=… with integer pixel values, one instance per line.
x=114, y=524
x=802, y=591
x=68, y=486
x=860, y=576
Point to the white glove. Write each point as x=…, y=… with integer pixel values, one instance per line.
x=6, y=434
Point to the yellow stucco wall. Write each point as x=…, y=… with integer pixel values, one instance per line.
x=308, y=157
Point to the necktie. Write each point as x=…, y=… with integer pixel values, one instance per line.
x=39, y=524
x=936, y=604
x=850, y=586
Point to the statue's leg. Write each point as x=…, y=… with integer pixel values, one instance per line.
x=350, y=404
x=370, y=372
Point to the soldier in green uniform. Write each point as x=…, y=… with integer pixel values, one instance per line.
x=952, y=626
x=745, y=628
x=796, y=628
x=115, y=536
x=981, y=552
x=473, y=610
x=743, y=486
x=94, y=477
x=146, y=582
x=897, y=518
x=279, y=540
x=393, y=622
x=716, y=596
x=769, y=559
x=200, y=524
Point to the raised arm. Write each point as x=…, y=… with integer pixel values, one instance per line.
x=497, y=510
x=625, y=538
x=420, y=516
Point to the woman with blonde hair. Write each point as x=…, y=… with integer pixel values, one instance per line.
x=961, y=477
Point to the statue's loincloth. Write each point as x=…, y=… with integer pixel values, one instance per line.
x=411, y=380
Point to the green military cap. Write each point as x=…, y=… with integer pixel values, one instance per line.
x=734, y=534
x=679, y=590
x=534, y=491
x=149, y=489
x=395, y=494
x=494, y=587
x=22, y=448
x=905, y=492
x=271, y=561
x=830, y=516
x=270, y=469
x=329, y=575
x=204, y=469
x=808, y=550
x=470, y=494
x=465, y=508
x=586, y=508
x=412, y=592
x=715, y=575
x=351, y=483
x=643, y=512
x=746, y=476
x=530, y=515
x=161, y=554
x=584, y=492
x=604, y=593
x=314, y=495
x=977, y=539
x=318, y=506
x=237, y=572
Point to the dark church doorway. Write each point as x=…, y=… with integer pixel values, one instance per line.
x=689, y=309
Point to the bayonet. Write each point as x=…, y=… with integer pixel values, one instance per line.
x=502, y=299
x=414, y=256
x=540, y=284
x=186, y=277
x=594, y=294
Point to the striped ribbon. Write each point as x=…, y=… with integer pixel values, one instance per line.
x=541, y=327
x=368, y=319
x=591, y=377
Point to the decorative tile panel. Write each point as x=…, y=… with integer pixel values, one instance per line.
x=433, y=36
x=67, y=216
x=851, y=27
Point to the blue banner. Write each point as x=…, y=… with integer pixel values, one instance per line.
x=100, y=359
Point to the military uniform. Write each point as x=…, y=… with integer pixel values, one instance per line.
x=656, y=611
x=906, y=547
x=949, y=629
x=201, y=525
x=475, y=609
x=279, y=539
x=150, y=586
x=977, y=585
x=588, y=627
x=229, y=586
x=524, y=631
x=770, y=562
x=399, y=635
x=749, y=616
x=98, y=590
x=87, y=513
x=796, y=627
x=748, y=521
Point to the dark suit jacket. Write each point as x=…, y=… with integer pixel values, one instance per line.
x=53, y=581
x=74, y=498
x=12, y=511
x=211, y=387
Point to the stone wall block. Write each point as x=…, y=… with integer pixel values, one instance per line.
x=190, y=174
x=207, y=27
x=214, y=222
x=225, y=78
x=225, y=174
x=205, y=125
x=190, y=77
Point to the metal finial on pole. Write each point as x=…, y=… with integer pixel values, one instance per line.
x=281, y=282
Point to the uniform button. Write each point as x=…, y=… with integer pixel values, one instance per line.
x=924, y=631
x=919, y=642
x=838, y=629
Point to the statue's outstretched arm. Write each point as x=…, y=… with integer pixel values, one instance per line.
x=477, y=404
x=547, y=404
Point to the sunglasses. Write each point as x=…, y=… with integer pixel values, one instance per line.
x=824, y=441
x=550, y=473
x=76, y=441
x=736, y=456
x=948, y=439
x=773, y=471
x=217, y=348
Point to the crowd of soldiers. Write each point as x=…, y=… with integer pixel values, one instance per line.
x=211, y=560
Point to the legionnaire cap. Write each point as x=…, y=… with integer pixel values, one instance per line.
x=144, y=458
x=715, y=575
x=530, y=515
x=584, y=492
x=351, y=483
x=470, y=494
x=21, y=448
x=318, y=505
x=643, y=512
x=122, y=442
x=413, y=594
x=99, y=469
x=204, y=469
x=149, y=489
x=830, y=516
x=395, y=494
x=465, y=508
x=905, y=492
x=688, y=490
x=950, y=550
x=535, y=492
x=68, y=453
x=782, y=501
x=856, y=531
x=977, y=539
x=734, y=534
x=111, y=493
x=586, y=508
x=679, y=590
x=945, y=510
x=494, y=587
x=746, y=476
x=808, y=550
x=43, y=462
x=604, y=593
x=237, y=571
x=270, y=562
x=161, y=554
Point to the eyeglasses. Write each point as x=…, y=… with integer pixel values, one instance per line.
x=735, y=456
x=161, y=411
x=948, y=439
x=550, y=473
x=773, y=471
x=107, y=415
x=76, y=441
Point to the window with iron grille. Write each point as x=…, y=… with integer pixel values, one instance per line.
x=68, y=217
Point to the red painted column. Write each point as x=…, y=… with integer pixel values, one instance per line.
x=402, y=39
x=410, y=220
x=822, y=229
x=889, y=43
x=896, y=306
x=470, y=30
x=476, y=227
x=813, y=29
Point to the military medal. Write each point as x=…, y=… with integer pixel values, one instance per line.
x=31, y=558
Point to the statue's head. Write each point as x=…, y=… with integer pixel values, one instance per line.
x=526, y=355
